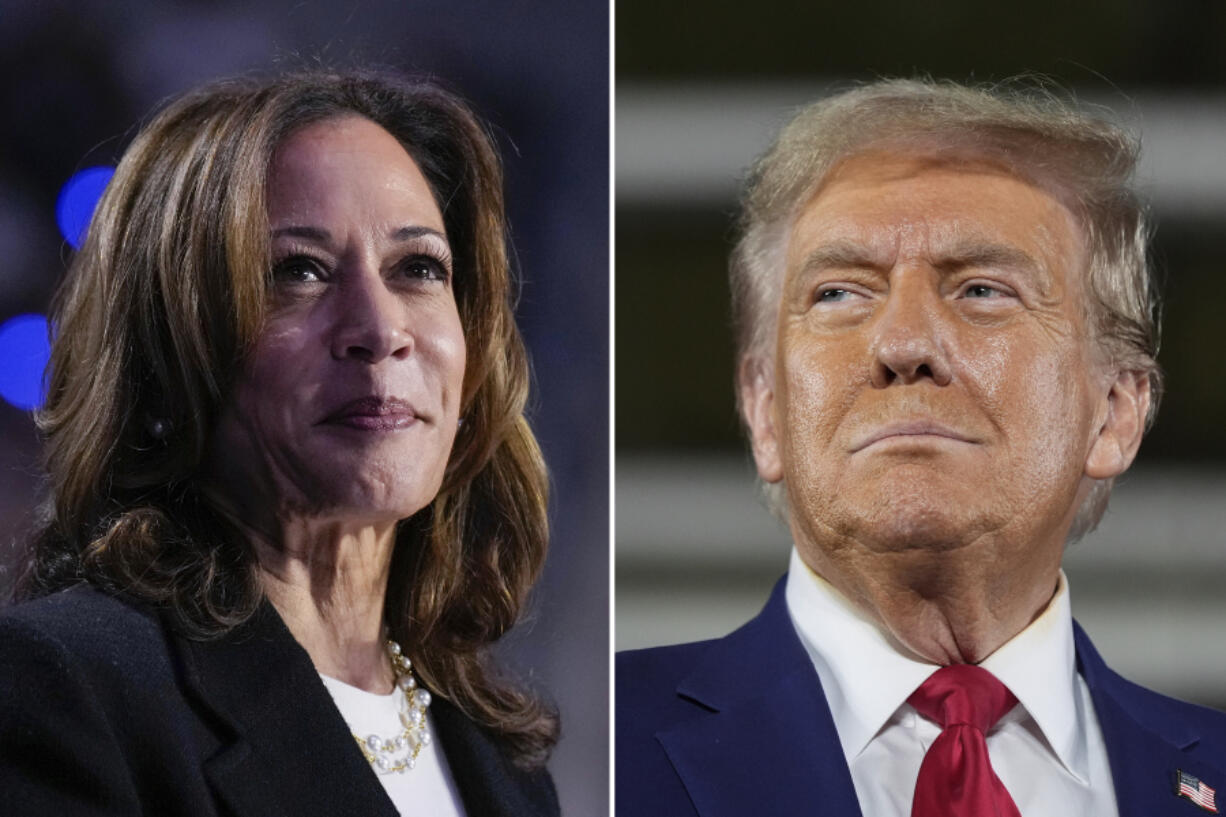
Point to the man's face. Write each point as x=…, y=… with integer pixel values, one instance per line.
x=933, y=381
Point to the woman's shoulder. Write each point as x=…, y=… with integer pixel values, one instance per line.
x=91, y=715
x=71, y=601
x=84, y=626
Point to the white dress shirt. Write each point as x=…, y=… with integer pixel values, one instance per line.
x=427, y=788
x=1048, y=750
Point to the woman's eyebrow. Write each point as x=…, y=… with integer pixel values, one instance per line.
x=298, y=231
x=408, y=233
x=321, y=236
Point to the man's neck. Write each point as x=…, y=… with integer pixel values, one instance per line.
x=946, y=607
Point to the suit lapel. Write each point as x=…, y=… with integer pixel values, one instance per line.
x=289, y=751
x=762, y=740
x=1146, y=745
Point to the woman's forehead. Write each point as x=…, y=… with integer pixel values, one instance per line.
x=344, y=168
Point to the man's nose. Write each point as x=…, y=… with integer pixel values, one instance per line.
x=910, y=333
x=371, y=322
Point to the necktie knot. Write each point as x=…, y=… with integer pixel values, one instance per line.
x=963, y=694
x=956, y=777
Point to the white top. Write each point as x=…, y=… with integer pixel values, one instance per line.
x=1048, y=750
x=427, y=788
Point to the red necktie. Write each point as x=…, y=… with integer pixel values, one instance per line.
x=956, y=777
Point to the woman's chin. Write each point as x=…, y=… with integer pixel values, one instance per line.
x=353, y=506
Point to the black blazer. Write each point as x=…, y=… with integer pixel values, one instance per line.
x=105, y=711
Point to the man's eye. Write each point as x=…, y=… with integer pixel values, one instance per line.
x=982, y=291
x=834, y=294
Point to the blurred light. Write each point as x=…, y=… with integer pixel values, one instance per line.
x=24, y=352
x=78, y=197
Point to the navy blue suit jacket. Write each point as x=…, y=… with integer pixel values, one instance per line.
x=739, y=727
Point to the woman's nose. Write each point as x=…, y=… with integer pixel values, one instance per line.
x=371, y=321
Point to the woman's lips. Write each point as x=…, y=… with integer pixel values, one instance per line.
x=382, y=422
x=374, y=414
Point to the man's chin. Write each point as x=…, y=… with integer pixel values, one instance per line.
x=924, y=534
x=897, y=523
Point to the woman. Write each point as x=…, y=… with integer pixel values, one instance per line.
x=293, y=493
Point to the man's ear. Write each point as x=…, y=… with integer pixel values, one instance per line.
x=756, y=382
x=1119, y=434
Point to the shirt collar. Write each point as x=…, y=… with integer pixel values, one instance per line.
x=866, y=675
x=1039, y=666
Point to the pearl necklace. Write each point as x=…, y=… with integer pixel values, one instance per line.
x=399, y=754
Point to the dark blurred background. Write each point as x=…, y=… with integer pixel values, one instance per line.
x=80, y=75
x=700, y=93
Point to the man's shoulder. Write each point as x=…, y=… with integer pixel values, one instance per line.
x=656, y=664
x=650, y=687
x=714, y=669
x=647, y=679
x=1139, y=723
x=649, y=701
x=1162, y=713
x=685, y=712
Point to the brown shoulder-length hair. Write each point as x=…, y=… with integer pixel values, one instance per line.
x=152, y=323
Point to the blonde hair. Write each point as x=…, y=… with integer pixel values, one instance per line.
x=1084, y=160
x=153, y=320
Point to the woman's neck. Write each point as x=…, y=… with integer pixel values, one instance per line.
x=329, y=582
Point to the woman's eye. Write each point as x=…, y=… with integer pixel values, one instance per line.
x=297, y=269
x=425, y=268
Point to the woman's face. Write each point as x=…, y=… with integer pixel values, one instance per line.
x=348, y=404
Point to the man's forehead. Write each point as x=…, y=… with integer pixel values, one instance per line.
x=881, y=250
x=875, y=206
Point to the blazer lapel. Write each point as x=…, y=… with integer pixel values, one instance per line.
x=489, y=785
x=762, y=740
x=1148, y=740
x=289, y=751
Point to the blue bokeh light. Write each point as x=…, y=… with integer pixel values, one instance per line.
x=78, y=197
x=24, y=352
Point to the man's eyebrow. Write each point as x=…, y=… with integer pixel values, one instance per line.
x=988, y=254
x=843, y=254
x=840, y=255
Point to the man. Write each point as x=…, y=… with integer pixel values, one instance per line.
x=946, y=355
